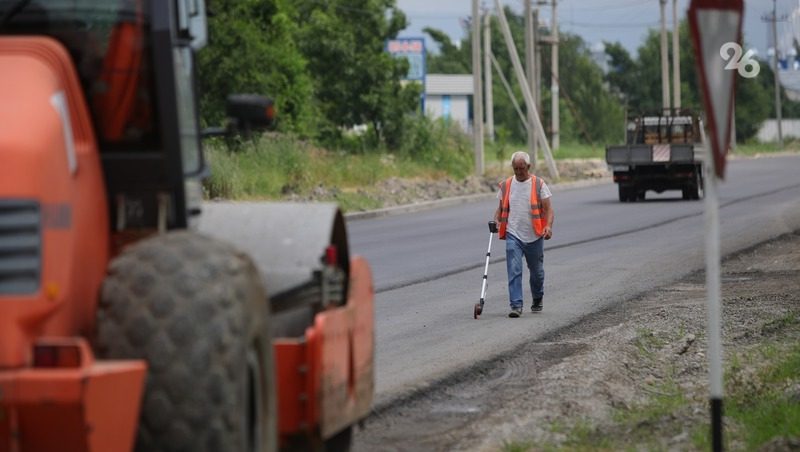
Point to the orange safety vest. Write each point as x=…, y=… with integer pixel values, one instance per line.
x=536, y=207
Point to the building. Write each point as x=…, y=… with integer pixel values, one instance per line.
x=449, y=96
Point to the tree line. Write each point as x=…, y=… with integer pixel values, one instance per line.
x=325, y=65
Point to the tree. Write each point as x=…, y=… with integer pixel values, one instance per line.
x=592, y=113
x=356, y=81
x=252, y=49
x=450, y=59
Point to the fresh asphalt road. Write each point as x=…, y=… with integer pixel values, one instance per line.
x=427, y=265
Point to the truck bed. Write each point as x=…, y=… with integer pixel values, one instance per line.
x=651, y=154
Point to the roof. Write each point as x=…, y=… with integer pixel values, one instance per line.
x=448, y=84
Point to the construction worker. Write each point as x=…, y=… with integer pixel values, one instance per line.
x=525, y=216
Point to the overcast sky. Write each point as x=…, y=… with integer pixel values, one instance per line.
x=626, y=21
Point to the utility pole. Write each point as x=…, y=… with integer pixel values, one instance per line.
x=664, y=62
x=487, y=75
x=529, y=72
x=477, y=88
x=554, y=119
x=676, y=60
x=537, y=62
x=774, y=19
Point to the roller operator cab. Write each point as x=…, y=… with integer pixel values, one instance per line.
x=132, y=314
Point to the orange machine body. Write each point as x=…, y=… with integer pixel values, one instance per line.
x=54, y=217
x=326, y=377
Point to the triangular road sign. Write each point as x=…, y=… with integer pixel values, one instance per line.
x=714, y=24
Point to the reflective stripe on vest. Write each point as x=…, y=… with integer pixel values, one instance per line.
x=537, y=222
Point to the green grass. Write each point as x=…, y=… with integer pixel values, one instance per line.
x=647, y=342
x=754, y=148
x=761, y=407
x=517, y=447
x=275, y=167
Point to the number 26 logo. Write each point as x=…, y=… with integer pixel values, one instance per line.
x=745, y=65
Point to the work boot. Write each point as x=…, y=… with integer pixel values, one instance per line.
x=515, y=312
x=537, y=305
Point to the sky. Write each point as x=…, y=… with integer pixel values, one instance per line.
x=625, y=21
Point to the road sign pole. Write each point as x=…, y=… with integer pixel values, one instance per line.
x=714, y=310
x=715, y=25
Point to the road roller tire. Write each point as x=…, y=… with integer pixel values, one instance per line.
x=195, y=309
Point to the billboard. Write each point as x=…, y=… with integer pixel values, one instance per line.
x=413, y=50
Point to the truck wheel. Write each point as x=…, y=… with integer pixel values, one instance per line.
x=196, y=311
x=691, y=191
x=699, y=192
x=624, y=195
x=629, y=193
x=694, y=189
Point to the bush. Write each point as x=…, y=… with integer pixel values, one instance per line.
x=440, y=143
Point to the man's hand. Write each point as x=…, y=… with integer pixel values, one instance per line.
x=547, y=232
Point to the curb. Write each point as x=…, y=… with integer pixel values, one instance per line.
x=455, y=200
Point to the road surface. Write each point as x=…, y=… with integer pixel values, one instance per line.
x=428, y=266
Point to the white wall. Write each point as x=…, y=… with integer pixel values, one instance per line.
x=458, y=109
x=768, y=132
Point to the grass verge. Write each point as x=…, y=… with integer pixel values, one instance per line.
x=278, y=166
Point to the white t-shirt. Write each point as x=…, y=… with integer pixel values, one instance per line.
x=519, y=219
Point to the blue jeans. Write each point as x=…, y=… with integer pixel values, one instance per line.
x=534, y=256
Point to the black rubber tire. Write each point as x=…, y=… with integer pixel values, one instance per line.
x=628, y=193
x=699, y=189
x=623, y=193
x=195, y=309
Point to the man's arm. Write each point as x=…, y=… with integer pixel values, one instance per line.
x=497, y=212
x=547, y=208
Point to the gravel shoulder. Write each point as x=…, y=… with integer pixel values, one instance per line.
x=633, y=376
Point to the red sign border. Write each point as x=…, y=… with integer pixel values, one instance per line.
x=719, y=150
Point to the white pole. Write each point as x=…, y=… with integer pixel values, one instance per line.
x=555, y=121
x=778, y=112
x=512, y=50
x=664, y=62
x=477, y=89
x=537, y=65
x=713, y=290
x=487, y=75
x=676, y=59
x=529, y=71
